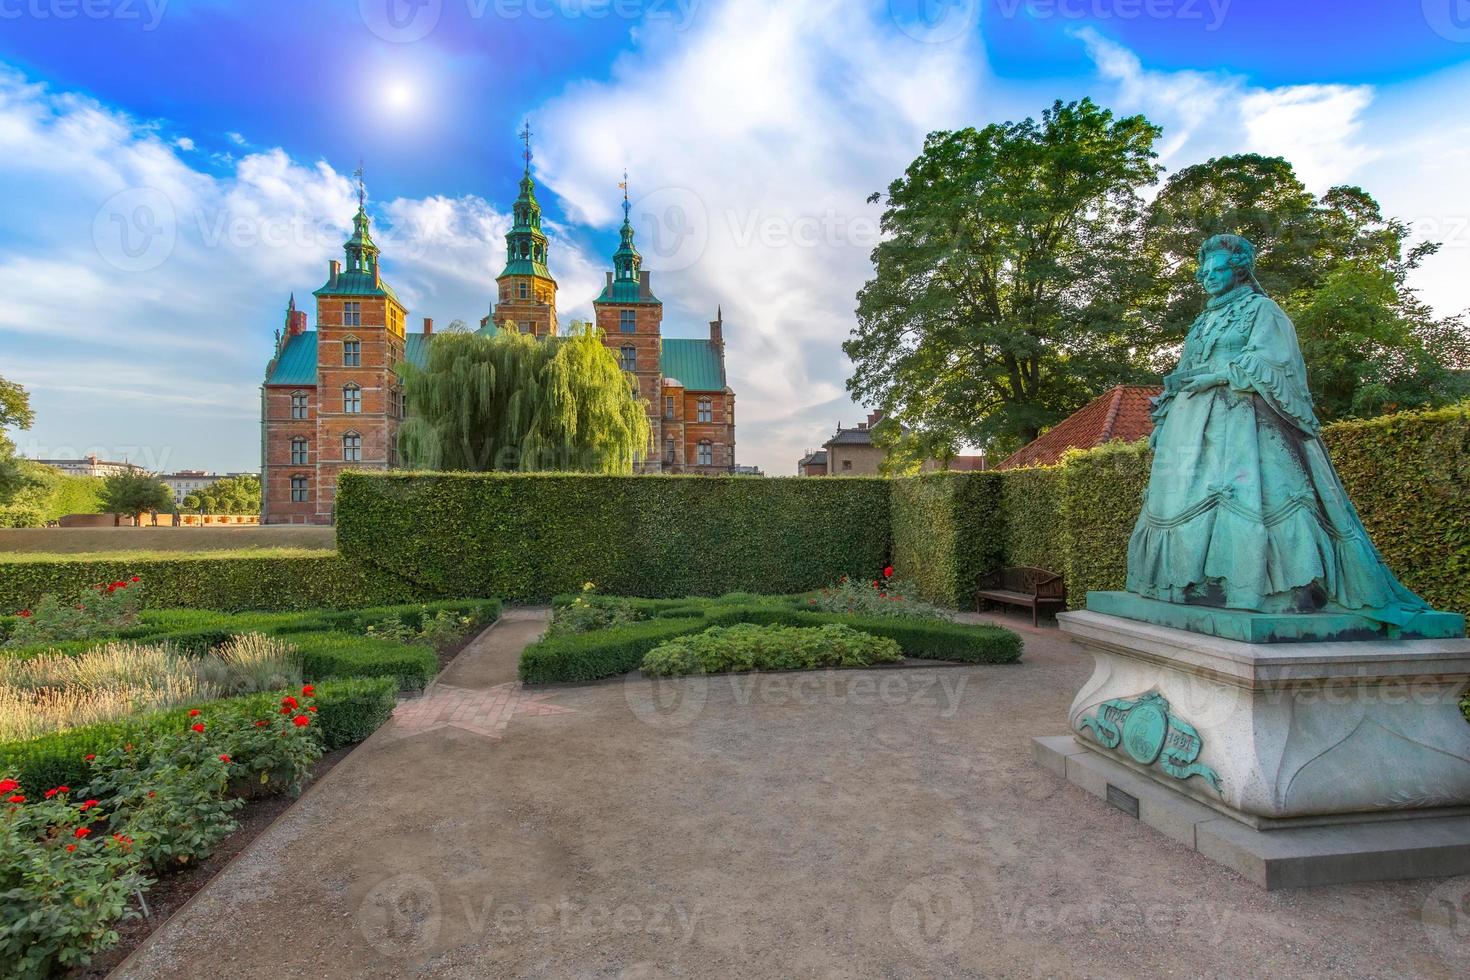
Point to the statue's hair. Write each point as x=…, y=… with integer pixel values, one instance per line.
x=1240, y=253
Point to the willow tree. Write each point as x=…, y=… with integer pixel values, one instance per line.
x=513, y=402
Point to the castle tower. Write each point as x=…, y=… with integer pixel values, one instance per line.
x=360, y=340
x=630, y=320
x=527, y=293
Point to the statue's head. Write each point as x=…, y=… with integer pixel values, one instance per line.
x=1225, y=262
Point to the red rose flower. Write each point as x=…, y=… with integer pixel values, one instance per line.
x=151, y=794
x=261, y=723
x=82, y=832
x=119, y=585
x=301, y=721
x=87, y=805
x=224, y=758
x=193, y=712
x=70, y=848
x=59, y=789
x=308, y=689
x=888, y=572
x=311, y=707
x=25, y=614
x=288, y=701
x=135, y=578
x=8, y=785
x=88, y=757
x=198, y=726
x=17, y=798
x=122, y=838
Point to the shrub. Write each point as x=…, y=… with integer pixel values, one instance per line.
x=608, y=653
x=531, y=536
x=887, y=596
x=1030, y=513
x=947, y=531
x=1101, y=493
x=327, y=655
x=256, y=662
x=229, y=583
x=589, y=611
x=63, y=884
x=750, y=647
x=95, y=611
x=347, y=712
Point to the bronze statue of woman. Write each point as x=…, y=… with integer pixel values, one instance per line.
x=1243, y=508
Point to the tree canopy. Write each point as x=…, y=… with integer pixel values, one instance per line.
x=15, y=412
x=134, y=493
x=227, y=495
x=513, y=402
x=1022, y=275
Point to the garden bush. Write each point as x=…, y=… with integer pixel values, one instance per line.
x=1101, y=494
x=746, y=646
x=1030, y=505
x=230, y=583
x=527, y=537
x=608, y=653
x=947, y=531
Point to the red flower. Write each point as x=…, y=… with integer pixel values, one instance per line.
x=87, y=805
x=224, y=758
x=59, y=789
x=135, y=578
x=25, y=614
x=193, y=712
x=88, y=757
x=301, y=721
x=17, y=798
x=261, y=723
x=151, y=794
x=308, y=690
x=8, y=785
x=888, y=572
x=198, y=726
x=118, y=585
x=82, y=832
x=876, y=585
x=288, y=701
x=286, y=710
x=70, y=848
x=311, y=707
x=122, y=838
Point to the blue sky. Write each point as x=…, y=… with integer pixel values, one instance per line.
x=753, y=131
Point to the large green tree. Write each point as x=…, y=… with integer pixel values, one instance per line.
x=15, y=412
x=513, y=402
x=227, y=495
x=1337, y=265
x=135, y=493
x=1008, y=288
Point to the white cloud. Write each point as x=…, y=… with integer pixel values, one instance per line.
x=184, y=143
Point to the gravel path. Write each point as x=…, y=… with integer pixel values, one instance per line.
x=880, y=823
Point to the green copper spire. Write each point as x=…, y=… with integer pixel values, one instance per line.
x=626, y=285
x=359, y=274
x=525, y=245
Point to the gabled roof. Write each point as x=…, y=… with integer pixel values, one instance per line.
x=1122, y=413
x=695, y=364
x=817, y=458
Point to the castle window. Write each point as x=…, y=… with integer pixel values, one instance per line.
x=627, y=321
x=298, y=404
x=504, y=293
x=352, y=353
x=351, y=399
x=352, y=448
x=668, y=406
x=669, y=449
x=523, y=290
x=706, y=411
x=352, y=314
x=706, y=453
x=299, y=489
x=630, y=358
x=298, y=452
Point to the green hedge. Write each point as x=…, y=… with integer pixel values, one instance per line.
x=611, y=652
x=1032, y=518
x=347, y=710
x=527, y=537
x=947, y=531
x=227, y=584
x=1101, y=493
x=51, y=496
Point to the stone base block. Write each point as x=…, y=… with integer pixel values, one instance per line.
x=1287, y=858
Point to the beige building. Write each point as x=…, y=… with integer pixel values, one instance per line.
x=852, y=452
x=91, y=466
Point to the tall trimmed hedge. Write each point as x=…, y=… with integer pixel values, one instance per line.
x=226, y=584
x=527, y=537
x=1100, y=493
x=1032, y=518
x=947, y=531
x=1409, y=476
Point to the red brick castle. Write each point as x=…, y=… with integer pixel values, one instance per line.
x=332, y=398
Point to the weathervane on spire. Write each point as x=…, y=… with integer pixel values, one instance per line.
x=624, y=185
x=361, y=190
x=526, y=138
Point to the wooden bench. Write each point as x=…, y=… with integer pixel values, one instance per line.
x=1021, y=586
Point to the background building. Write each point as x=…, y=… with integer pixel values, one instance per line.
x=91, y=466
x=1124, y=412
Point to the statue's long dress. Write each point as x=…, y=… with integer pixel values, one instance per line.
x=1243, y=507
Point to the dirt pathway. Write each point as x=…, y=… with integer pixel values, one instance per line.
x=836, y=824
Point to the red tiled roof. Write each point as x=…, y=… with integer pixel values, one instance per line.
x=1122, y=413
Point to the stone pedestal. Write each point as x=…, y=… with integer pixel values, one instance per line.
x=1284, y=739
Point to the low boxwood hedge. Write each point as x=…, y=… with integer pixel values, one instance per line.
x=348, y=710
x=610, y=652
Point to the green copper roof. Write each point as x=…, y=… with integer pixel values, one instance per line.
x=356, y=278
x=357, y=284
x=695, y=364
x=525, y=245
x=626, y=285
x=297, y=363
